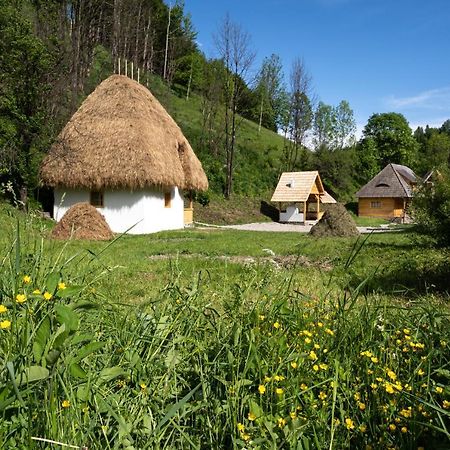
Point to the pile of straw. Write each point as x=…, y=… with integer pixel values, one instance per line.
x=336, y=221
x=82, y=221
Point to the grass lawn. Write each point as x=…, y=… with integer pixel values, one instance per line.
x=211, y=338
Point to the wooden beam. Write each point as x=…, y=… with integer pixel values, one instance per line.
x=318, y=206
x=304, y=212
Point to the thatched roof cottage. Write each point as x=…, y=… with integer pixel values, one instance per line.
x=299, y=195
x=124, y=154
x=388, y=194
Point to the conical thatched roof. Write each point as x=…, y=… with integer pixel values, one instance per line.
x=121, y=137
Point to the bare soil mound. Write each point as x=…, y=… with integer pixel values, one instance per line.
x=82, y=221
x=336, y=221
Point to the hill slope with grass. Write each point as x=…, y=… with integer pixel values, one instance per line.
x=259, y=154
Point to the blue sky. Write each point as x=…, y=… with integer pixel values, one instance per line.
x=379, y=55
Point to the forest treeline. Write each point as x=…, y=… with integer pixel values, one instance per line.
x=54, y=52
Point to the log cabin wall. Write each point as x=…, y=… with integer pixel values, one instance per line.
x=386, y=208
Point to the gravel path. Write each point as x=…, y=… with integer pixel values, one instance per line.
x=296, y=228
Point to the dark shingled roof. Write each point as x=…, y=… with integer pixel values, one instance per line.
x=393, y=181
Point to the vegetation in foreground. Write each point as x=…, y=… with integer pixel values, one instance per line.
x=250, y=358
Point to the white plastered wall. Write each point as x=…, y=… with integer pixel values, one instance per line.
x=139, y=212
x=291, y=214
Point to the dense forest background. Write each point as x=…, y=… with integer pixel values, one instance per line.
x=247, y=124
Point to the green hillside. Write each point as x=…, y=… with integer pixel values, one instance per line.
x=259, y=155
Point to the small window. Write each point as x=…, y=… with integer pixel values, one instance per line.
x=97, y=199
x=375, y=205
x=167, y=199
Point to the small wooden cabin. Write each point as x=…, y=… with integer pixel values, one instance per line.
x=299, y=195
x=388, y=194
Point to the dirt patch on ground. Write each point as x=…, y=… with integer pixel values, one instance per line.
x=281, y=262
x=82, y=221
x=336, y=221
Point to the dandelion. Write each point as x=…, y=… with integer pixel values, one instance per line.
x=21, y=298
x=62, y=286
x=279, y=391
x=276, y=325
x=26, y=279
x=349, y=424
x=281, y=422
x=65, y=404
x=251, y=416
x=293, y=364
x=47, y=295
x=3, y=309
x=261, y=389
x=439, y=390
x=5, y=325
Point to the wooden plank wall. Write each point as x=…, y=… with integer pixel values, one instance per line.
x=390, y=208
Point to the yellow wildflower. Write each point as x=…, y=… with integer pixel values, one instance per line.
x=3, y=309
x=312, y=355
x=246, y=437
x=361, y=406
x=374, y=386
x=316, y=346
x=404, y=430
x=323, y=366
x=446, y=404
x=27, y=279
x=320, y=324
x=293, y=364
x=374, y=359
x=62, y=286
x=439, y=390
x=36, y=292
x=392, y=426
x=315, y=367
x=47, y=295
x=406, y=412
x=293, y=415
x=420, y=372
x=143, y=386
x=21, y=298
x=349, y=424
x=391, y=374
x=330, y=332
x=240, y=427
x=5, y=324
x=303, y=387
x=267, y=379
x=389, y=388
x=251, y=416
x=357, y=396
x=281, y=422
x=443, y=343
x=322, y=395
x=261, y=389
x=279, y=391
x=65, y=404
x=307, y=340
x=362, y=428
x=406, y=331
x=369, y=371
x=278, y=378
x=261, y=317
x=276, y=325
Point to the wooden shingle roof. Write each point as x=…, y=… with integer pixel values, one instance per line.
x=297, y=186
x=394, y=181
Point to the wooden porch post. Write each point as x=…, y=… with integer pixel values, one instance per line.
x=304, y=212
x=318, y=206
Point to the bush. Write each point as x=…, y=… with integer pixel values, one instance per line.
x=431, y=208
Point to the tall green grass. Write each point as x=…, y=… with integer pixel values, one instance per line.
x=255, y=364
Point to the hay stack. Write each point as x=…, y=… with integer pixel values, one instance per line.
x=121, y=137
x=82, y=221
x=336, y=221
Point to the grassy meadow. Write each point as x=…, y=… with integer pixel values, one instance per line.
x=212, y=338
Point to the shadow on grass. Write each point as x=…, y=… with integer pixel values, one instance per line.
x=269, y=211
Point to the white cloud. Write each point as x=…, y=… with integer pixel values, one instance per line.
x=437, y=99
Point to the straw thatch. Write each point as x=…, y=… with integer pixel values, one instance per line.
x=336, y=221
x=82, y=221
x=121, y=137
x=394, y=181
x=297, y=186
